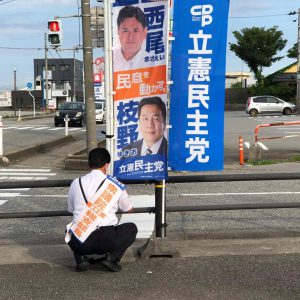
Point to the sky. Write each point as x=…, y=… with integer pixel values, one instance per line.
x=24, y=24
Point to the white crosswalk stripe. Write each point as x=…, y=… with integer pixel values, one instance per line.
x=14, y=174
x=43, y=128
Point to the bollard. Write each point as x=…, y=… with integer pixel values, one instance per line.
x=241, y=142
x=19, y=119
x=66, y=125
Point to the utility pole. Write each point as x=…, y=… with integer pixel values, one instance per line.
x=88, y=76
x=15, y=88
x=74, y=70
x=46, y=73
x=298, y=64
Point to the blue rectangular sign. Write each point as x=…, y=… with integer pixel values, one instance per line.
x=196, y=136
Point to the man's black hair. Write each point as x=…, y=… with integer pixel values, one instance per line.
x=132, y=12
x=153, y=101
x=98, y=157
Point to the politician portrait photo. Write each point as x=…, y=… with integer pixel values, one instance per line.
x=152, y=124
x=132, y=32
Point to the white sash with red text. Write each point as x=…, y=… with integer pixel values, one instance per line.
x=96, y=210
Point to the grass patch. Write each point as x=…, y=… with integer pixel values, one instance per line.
x=273, y=161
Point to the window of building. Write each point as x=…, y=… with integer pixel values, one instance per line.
x=64, y=67
x=50, y=68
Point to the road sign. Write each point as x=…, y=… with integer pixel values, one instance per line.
x=29, y=85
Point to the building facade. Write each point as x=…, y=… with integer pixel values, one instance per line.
x=65, y=83
x=65, y=80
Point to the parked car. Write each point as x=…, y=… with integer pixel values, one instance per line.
x=75, y=112
x=268, y=104
x=100, y=111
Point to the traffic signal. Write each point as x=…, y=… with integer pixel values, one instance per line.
x=55, y=34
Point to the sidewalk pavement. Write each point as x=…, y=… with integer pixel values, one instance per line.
x=60, y=255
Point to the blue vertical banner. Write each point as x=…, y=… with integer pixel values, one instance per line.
x=196, y=136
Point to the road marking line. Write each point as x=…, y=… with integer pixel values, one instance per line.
x=145, y=221
x=74, y=129
x=9, y=194
x=20, y=189
x=2, y=201
x=284, y=128
x=247, y=144
x=262, y=146
x=48, y=196
x=11, y=127
x=23, y=178
x=23, y=128
x=41, y=128
x=240, y=194
x=29, y=170
x=59, y=128
x=28, y=173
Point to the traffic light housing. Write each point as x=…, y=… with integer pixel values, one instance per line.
x=55, y=34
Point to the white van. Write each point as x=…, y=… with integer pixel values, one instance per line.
x=100, y=111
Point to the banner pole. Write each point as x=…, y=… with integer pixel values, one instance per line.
x=108, y=80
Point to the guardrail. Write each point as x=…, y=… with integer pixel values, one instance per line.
x=159, y=208
x=256, y=139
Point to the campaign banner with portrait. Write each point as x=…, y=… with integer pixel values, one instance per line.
x=196, y=136
x=140, y=29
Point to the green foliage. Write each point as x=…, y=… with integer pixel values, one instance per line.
x=282, y=91
x=273, y=161
x=258, y=47
x=237, y=85
x=293, y=52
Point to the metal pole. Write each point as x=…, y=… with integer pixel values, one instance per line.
x=33, y=103
x=46, y=73
x=108, y=71
x=160, y=209
x=1, y=137
x=88, y=76
x=15, y=88
x=74, y=69
x=298, y=64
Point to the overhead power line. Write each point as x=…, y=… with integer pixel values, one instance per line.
x=6, y=2
x=264, y=16
x=15, y=48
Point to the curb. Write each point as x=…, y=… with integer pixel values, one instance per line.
x=79, y=161
x=39, y=148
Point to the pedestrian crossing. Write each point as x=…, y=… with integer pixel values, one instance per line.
x=14, y=174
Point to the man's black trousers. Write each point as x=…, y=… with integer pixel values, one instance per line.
x=107, y=239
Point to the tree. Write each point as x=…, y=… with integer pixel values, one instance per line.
x=293, y=52
x=258, y=47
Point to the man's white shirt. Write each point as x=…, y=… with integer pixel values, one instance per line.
x=90, y=183
x=137, y=62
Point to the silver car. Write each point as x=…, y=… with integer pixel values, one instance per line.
x=268, y=104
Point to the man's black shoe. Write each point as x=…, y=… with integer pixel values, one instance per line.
x=110, y=264
x=81, y=263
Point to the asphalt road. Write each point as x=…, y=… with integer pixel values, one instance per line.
x=18, y=134
x=242, y=254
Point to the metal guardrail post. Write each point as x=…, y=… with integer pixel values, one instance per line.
x=160, y=208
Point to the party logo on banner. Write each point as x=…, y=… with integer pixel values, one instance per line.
x=198, y=90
